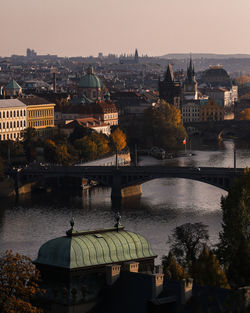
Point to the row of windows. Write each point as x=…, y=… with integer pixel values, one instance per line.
x=190, y=110
x=108, y=116
x=188, y=114
x=10, y=136
x=36, y=113
x=41, y=123
x=15, y=113
x=14, y=124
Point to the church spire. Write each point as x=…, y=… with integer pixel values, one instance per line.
x=136, y=56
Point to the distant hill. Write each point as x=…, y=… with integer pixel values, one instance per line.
x=179, y=56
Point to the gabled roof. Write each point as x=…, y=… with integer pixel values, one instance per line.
x=13, y=85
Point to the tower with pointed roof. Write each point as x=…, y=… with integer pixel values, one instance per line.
x=190, y=83
x=136, y=56
x=169, y=88
x=13, y=89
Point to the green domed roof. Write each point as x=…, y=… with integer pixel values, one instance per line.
x=92, y=248
x=90, y=80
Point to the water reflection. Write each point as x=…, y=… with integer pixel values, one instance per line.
x=165, y=203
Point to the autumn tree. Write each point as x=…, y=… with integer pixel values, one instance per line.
x=18, y=284
x=87, y=148
x=163, y=126
x=79, y=132
x=245, y=114
x=118, y=139
x=186, y=242
x=171, y=268
x=101, y=142
x=234, y=237
x=207, y=271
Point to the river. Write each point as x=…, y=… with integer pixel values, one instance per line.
x=26, y=223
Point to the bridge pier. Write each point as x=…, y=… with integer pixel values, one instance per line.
x=119, y=192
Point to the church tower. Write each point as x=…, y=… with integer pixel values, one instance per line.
x=169, y=88
x=190, y=84
x=136, y=56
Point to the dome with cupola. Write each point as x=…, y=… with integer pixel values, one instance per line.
x=90, y=86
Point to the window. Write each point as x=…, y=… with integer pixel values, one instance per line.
x=14, y=124
x=24, y=113
x=21, y=124
x=14, y=113
x=17, y=113
x=7, y=125
x=17, y=123
x=21, y=113
x=10, y=124
x=3, y=114
x=24, y=123
x=7, y=114
x=3, y=125
x=10, y=113
x=0, y=114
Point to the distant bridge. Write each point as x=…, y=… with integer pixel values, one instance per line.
x=126, y=176
x=215, y=129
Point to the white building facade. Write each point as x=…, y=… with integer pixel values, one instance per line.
x=13, y=119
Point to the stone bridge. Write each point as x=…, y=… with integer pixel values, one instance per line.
x=216, y=129
x=126, y=181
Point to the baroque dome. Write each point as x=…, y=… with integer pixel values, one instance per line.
x=90, y=80
x=91, y=248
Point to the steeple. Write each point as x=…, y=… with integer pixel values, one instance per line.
x=136, y=56
x=169, y=76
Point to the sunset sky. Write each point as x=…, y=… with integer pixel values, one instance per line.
x=155, y=27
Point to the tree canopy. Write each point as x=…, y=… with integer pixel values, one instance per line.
x=234, y=237
x=18, y=284
x=163, y=126
x=171, y=268
x=118, y=139
x=187, y=241
x=207, y=271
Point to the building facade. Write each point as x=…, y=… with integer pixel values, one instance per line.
x=40, y=113
x=190, y=111
x=211, y=111
x=13, y=119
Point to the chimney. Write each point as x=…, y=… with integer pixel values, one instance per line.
x=131, y=267
x=186, y=286
x=112, y=273
x=157, y=284
x=158, y=269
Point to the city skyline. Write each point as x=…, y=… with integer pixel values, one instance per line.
x=154, y=27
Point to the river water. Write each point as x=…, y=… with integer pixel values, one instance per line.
x=26, y=223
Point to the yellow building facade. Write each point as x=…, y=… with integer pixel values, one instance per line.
x=211, y=111
x=40, y=113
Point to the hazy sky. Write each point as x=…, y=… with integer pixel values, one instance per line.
x=155, y=27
